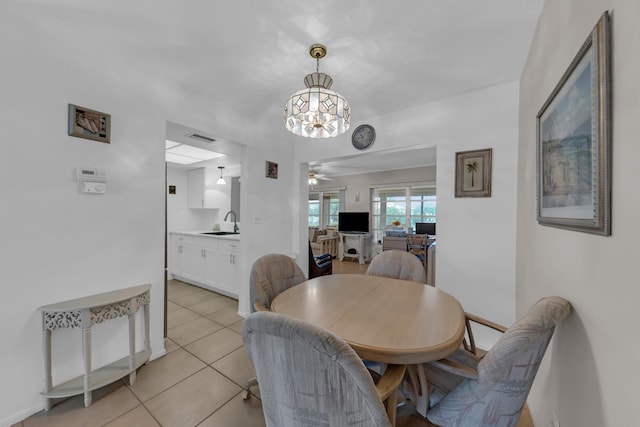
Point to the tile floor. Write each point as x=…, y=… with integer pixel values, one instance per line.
x=197, y=383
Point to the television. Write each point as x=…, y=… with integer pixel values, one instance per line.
x=428, y=228
x=349, y=222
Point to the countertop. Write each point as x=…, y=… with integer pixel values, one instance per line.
x=199, y=234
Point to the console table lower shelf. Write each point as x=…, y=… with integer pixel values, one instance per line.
x=83, y=313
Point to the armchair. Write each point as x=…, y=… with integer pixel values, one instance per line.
x=324, y=241
x=319, y=265
x=398, y=265
x=270, y=275
x=468, y=388
x=309, y=376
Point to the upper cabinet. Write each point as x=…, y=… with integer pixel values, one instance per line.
x=205, y=193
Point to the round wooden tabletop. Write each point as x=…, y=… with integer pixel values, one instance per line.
x=384, y=320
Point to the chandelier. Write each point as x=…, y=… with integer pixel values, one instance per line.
x=317, y=112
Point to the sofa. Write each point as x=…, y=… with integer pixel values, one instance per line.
x=324, y=241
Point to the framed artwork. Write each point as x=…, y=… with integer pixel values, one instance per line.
x=473, y=173
x=271, y=170
x=573, y=142
x=89, y=124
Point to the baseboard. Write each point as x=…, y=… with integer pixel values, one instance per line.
x=19, y=416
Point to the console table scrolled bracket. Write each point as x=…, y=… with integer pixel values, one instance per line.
x=84, y=313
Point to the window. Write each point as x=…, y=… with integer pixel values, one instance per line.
x=314, y=210
x=423, y=205
x=404, y=206
x=324, y=207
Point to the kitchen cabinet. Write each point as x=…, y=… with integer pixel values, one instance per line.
x=204, y=193
x=205, y=261
x=228, y=266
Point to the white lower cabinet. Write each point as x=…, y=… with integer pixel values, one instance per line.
x=228, y=266
x=208, y=262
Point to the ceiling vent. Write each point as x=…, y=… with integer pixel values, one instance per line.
x=201, y=137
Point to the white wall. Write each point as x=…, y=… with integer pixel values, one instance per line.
x=476, y=237
x=269, y=211
x=589, y=376
x=58, y=244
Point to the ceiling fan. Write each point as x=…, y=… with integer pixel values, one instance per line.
x=315, y=176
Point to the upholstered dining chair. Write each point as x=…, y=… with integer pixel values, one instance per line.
x=270, y=275
x=471, y=389
x=309, y=376
x=397, y=265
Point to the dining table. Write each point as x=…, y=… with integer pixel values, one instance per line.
x=383, y=319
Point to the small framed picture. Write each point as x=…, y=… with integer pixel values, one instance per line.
x=271, y=170
x=473, y=173
x=89, y=124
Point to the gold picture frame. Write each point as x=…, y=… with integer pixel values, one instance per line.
x=473, y=173
x=89, y=124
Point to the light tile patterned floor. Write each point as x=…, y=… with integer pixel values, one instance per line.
x=197, y=383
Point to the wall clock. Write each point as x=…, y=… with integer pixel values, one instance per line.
x=363, y=137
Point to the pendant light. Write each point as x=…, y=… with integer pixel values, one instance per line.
x=221, y=179
x=317, y=112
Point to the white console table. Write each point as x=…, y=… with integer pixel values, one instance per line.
x=361, y=242
x=83, y=313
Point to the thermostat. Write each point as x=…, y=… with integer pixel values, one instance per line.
x=91, y=175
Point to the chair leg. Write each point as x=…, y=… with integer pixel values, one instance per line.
x=392, y=407
x=246, y=391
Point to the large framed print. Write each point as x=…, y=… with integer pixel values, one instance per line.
x=574, y=142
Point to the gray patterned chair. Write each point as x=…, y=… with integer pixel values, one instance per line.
x=270, y=275
x=468, y=389
x=310, y=377
x=398, y=265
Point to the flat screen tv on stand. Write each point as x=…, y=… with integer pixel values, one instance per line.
x=353, y=222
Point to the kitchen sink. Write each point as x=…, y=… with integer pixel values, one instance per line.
x=220, y=233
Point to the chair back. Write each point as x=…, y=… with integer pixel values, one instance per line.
x=417, y=244
x=397, y=265
x=271, y=275
x=505, y=373
x=308, y=376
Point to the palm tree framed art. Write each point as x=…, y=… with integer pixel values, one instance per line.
x=473, y=173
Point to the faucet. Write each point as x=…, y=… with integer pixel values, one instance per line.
x=235, y=224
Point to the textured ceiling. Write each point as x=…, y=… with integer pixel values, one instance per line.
x=248, y=56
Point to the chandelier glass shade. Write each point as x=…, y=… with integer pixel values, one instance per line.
x=317, y=111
